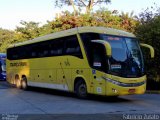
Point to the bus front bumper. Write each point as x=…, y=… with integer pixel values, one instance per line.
x=115, y=88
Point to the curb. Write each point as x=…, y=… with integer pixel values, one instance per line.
x=153, y=91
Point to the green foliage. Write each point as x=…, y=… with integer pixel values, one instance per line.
x=102, y=17
x=6, y=37
x=146, y=27
x=148, y=31
x=28, y=30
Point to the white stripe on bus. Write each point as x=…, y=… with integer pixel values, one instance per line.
x=47, y=85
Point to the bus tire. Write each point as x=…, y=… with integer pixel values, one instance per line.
x=81, y=89
x=18, y=82
x=24, y=85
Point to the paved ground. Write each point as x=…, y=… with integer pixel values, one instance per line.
x=49, y=104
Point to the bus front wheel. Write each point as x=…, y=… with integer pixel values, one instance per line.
x=81, y=89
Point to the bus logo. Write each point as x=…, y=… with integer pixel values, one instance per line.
x=18, y=64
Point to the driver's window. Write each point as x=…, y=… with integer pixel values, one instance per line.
x=98, y=56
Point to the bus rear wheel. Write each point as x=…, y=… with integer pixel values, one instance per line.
x=24, y=85
x=81, y=89
x=18, y=82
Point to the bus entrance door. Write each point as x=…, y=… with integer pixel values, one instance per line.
x=98, y=63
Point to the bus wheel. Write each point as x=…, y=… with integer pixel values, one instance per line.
x=18, y=82
x=24, y=83
x=81, y=89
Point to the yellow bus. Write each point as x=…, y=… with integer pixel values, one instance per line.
x=83, y=60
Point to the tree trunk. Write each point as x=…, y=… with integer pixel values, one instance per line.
x=89, y=6
x=73, y=7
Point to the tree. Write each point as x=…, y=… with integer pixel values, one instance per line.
x=28, y=30
x=6, y=36
x=101, y=17
x=148, y=31
x=87, y=4
x=46, y=28
x=128, y=21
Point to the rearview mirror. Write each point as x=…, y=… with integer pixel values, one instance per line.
x=107, y=46
x=150, y=48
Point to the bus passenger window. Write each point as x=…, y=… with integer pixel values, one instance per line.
x=72, y=47
x=70, y=50
x=53, y=52
x=59, y=51
x=45, y=53
x=78, y=49
x=33, y=54
x=56, y=47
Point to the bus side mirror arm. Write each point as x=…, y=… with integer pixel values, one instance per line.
x=150, y=48
x=107, y=46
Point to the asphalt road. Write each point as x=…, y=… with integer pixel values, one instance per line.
x=39, y=104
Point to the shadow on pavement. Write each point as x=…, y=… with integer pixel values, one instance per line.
x=4, y=85
x=72, y=95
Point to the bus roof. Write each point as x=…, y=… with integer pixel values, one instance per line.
x=103, y=30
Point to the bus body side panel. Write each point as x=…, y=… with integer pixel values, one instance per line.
x=97, y=83
x=74, y=67
x=83, y=74
x=17, y=68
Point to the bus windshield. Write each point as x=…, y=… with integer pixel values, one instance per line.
x=126, y=59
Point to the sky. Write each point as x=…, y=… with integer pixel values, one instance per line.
x=13, y=11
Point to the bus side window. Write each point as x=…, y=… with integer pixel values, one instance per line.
x=72, y=47
x=46, y=47
x=53, y=52
x=45, y=53
x=42, y=49
x=98, y=58
x=86, y=38
x=15, y=55
x=56, y=48
x=33, y=54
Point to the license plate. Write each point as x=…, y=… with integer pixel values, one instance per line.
x=131, y=90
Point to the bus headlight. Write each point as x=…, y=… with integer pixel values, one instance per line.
x=114, y=90
x=124, y=84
